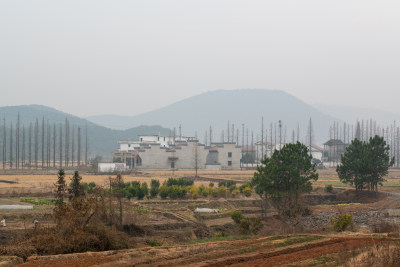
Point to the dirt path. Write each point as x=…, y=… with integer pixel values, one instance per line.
x=267, y=251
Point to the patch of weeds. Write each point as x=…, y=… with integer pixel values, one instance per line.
x=153, y=243
x=214, y=239
x=37, y=201
x=143, y=210
x=132, y=255
x=296, y=240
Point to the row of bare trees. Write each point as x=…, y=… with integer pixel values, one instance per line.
x=42, y=144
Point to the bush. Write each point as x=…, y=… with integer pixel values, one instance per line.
x=154, y=188
x=163, y=192
x=247, y=191
x=232, y=188
x=227, y=183
x=328, y=188
x=153, y=243
x=222, y=191
x=193, y=191
x=237, y=216
x=211, y=184
x=250, y=226
x=342, y=222
x=243, y=186
x=221, y=234
x=212, y=191
x=179, y=182
x=203, y=191
x=235, y=192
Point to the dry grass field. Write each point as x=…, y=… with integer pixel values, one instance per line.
x=41, y=183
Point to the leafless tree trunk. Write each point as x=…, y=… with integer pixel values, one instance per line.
x=42, y=142
x=61, y=147
x=86, y=146
x=30, y=145
x=17, y=142
x=23, y=147
x=11, y=146
x=262, y=137
x=66, y=142
x=54, y=144
x=79, y=147
x=73, y=146
x=4, y=144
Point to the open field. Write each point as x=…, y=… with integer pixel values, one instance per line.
x=40, y=183
x=185, y=238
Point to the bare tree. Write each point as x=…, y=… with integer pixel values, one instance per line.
x=17, y=142
x=42, y=142
x=23, y=147
x=262, y=137
x=73, y=146
x=86, y=145
x=30, y=145
x=54, y=144
x=4, y=143
x=61, y=147
x=310, y=135
x=11, y=146
x=79, y=147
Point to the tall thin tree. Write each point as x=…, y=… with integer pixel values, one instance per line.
x=79, y=146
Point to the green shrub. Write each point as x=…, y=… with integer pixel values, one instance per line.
x=243, y=186
x=227, y=183
x=211, y=184
x=179, y=182
x=250, y=226
x=222, y=191
x=342, y=222
x=212, y=191
x=153, y=243
x=232, y=188
x=193, y=191
x=235, y=192
x=203, y=191
x=247, y=191
x=163, y=191
x=237, y=216
x=328, y=188
x=221, y=234
x=154, y=188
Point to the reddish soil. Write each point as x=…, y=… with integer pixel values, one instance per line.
x=249, y=252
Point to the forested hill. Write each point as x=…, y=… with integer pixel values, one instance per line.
x=102, y=140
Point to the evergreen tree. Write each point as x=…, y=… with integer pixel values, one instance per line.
x=284, y=176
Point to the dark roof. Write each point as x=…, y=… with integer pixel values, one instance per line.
x=334, y=142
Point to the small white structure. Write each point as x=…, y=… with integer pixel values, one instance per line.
x=16, y=207
x=162, y=140
x=111, y=167
x=206, y=210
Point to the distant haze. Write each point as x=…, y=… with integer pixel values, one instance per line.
x=130, y=57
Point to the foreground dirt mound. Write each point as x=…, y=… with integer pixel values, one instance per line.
x=267, y=251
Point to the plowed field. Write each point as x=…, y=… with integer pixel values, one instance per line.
x=268, y=251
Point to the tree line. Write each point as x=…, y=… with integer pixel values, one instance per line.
x=42, y=144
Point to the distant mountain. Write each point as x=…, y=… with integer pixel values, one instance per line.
x=198, y=113
x=102, y=140
x=352, y=114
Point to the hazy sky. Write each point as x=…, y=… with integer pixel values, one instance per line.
x=129, y=57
